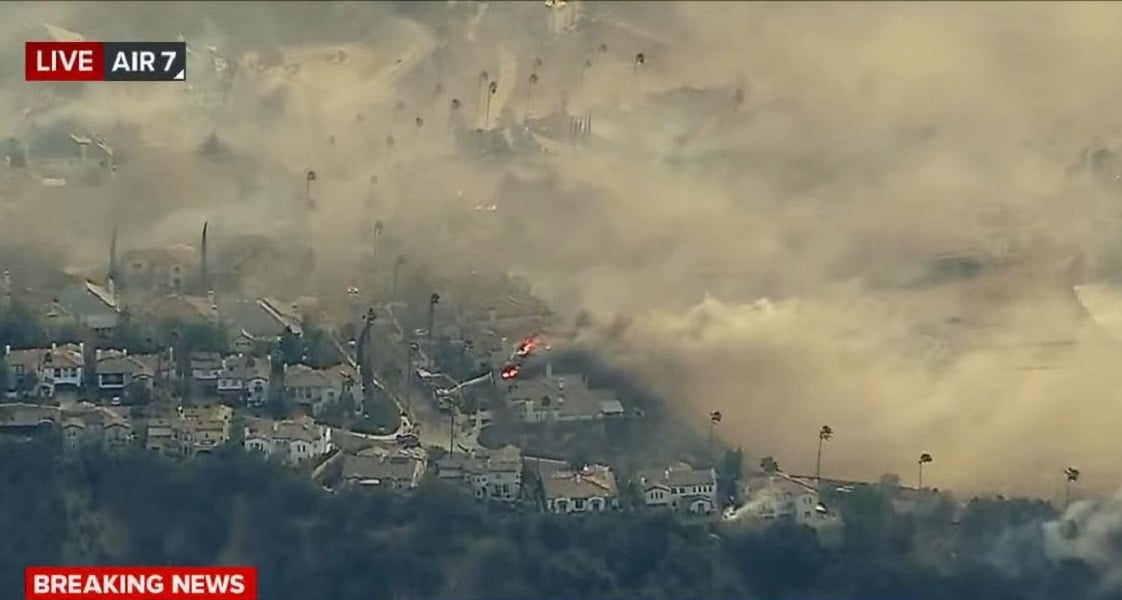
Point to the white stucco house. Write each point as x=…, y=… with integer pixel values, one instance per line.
x=490, y=474
x=780, y=496
x=294, y=441
x=680, y=487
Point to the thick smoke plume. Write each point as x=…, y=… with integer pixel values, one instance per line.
x=820, y=155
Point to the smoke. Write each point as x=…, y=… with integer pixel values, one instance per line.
x=1088, y=533
x=1091, y=531
x=868, y=140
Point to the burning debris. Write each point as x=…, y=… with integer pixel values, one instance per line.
x=526, y=347
x=522, y=352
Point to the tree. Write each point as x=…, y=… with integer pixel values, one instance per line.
x=924, y=459
x=769, y=465
x=21, y=327
x=1071, y=475
x=531, y=84
x=291, y=347
x=824, y=435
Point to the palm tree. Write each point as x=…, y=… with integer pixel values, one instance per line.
x=640, y=60
x=378, y=227
x=484, y=79
x=453, y=110
x=491, y=89
x=308, y=179
x=825, y=434
x=714, y=420
x=603, y=48
x=1071, y=475
x=530, y=91
x=924, y=459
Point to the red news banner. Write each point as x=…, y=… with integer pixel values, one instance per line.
x=140, y=583
x=105, y=61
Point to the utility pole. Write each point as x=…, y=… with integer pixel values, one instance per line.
x=366, y=378
x=434, y=299
x=451, y=430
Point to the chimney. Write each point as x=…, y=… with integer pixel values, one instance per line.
x=111, y=287
x=549, y=371
x=560, y=383
x=54, y=346
x=210, y=296
x=124, y=352
x=7, y=349
x=97, y=354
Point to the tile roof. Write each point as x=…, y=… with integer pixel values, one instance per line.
x=181, y=307
x=680, y=475
x=591, y=481
x=375, y=469
x=119, y=363
x=303, y=376
x=503, y=460
x=66, y=355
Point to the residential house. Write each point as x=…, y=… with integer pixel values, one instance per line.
x=158, y=270
x=244, y=379
x=315, y=389
x=85, y=304
x=680, y=487
x=589, y=489
x=780, y=496
x=118, y=372
x=160, y=365
x=295, y=441
x=47, y=368
x=205, y=428
x=19, y=418
x=194, y=310
x=491, y=474
x=189, y=431
x=86, y=425
x=560, y=399
x=205, y=370
x=398, y=471
x=263, y=320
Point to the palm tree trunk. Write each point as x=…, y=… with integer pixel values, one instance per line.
x=920, y=486
x=818, y=465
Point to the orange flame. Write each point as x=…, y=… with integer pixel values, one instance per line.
x=508, y=372
x=527, y=346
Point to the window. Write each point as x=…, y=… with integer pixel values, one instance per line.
x=578, y=503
